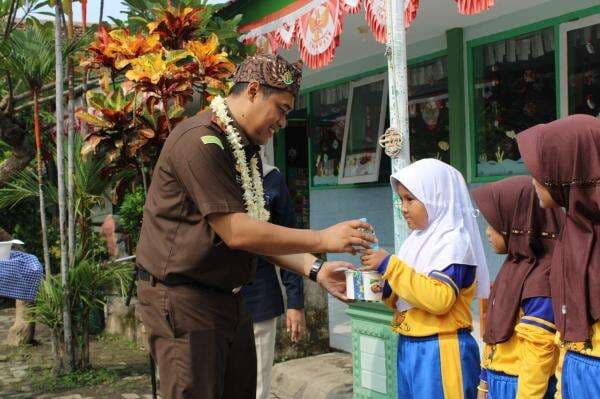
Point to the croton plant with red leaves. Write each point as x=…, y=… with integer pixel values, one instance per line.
x=148, y=76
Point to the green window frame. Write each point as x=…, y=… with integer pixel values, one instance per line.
x=385, y=161
x=553, y=23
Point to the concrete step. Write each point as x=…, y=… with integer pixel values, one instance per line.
x=327, y=376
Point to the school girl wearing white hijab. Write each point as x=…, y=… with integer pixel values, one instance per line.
x=431, y=282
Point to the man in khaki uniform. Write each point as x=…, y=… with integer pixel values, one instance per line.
x=202, y=230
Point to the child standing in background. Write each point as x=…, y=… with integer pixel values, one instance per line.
x=564, y=159
x=520, y=357
x=431, y=282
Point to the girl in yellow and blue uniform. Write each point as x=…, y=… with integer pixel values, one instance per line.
x=564, y=160
x=431, y=282
x=520, y=357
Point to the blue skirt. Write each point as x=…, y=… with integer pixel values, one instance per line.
x=504, y=386
x=580, y=376
x=420, y=375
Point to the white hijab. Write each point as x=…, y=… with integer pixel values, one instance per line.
x=452, y=235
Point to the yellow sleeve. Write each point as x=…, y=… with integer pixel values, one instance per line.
x=558, y=374
x=538, y=357
x=421, y=291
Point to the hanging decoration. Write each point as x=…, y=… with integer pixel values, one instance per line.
x=375, y=14
x=285, y=35
x=470, y=7
x=376, y=17
x=315, y=25
x=319, y=33
x=352, y=6
x=392, y=141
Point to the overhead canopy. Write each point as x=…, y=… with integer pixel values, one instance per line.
x=315, y=26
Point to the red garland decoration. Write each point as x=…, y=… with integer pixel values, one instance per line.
x=319, y=34
x=375, y=15
x=470, y=7
x=411, y=12
x=376, y=18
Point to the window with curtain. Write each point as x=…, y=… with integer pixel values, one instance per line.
x=428, y=110
x=513, y=89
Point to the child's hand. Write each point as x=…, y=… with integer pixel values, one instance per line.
x=371, y=259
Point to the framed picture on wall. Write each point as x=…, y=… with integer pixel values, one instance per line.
x=365, y=121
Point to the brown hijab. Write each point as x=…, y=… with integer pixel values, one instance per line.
x=565, y=156
x=511, y=207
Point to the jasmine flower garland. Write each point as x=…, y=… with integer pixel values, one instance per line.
x=252, y=182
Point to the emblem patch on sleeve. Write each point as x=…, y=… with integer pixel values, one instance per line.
x=212, y=140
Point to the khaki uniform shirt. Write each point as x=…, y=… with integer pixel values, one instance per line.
x=195, y=176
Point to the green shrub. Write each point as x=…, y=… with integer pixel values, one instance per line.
x=131, y=213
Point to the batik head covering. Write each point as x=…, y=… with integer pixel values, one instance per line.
x=270, y=70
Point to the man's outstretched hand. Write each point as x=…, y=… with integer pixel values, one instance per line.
x=333, y=279
x=350, y=236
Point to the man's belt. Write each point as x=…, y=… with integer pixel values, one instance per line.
x=175, y=280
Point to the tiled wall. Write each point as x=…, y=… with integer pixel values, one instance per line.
x=331, y=206
x=372, y=364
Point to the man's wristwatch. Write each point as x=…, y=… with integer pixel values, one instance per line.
x=314, y=269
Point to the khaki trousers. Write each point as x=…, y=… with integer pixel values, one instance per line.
x=202, y=341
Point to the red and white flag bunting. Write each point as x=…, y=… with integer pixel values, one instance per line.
x=316, y=25
x=319, y=33
x=352, y=6
x=286, y=35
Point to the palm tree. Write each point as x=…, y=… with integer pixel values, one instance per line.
x=32, y=55
x=71, y=79
x=28, y=55
x=90, y=186
x=68, y=9
x=64, y=261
